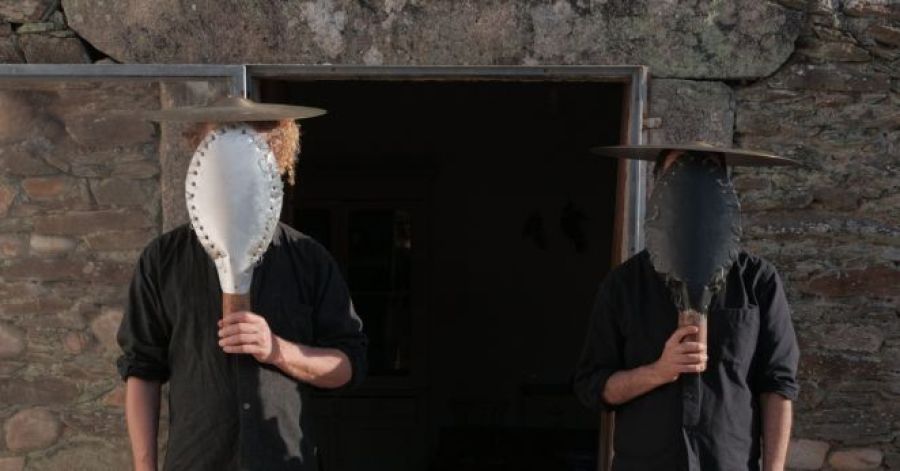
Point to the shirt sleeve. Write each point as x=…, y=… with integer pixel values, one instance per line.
x=335, y=322
x=601, y=355
x=777, y=353
x=143, y=334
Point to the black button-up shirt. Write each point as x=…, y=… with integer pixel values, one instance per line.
x=226, y=411
x=709, y=421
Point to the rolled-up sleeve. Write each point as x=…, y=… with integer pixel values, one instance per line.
x=601, y=355
x=143, y=334
x=777, y=353
x=335, y=322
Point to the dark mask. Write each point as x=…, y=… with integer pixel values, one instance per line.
x=693, y=229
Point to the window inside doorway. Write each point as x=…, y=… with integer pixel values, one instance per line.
x=375, y=245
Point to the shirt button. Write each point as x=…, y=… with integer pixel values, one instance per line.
x=246, y=406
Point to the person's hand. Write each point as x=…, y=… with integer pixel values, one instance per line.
x=681, y=357
x=246, y=332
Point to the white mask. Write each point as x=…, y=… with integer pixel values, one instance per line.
x=234, y=193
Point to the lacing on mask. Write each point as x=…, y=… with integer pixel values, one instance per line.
x=269, y=168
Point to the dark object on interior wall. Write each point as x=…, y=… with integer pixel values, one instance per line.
x=534, y=229
x=572, y=224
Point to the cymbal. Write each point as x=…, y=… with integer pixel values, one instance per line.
x=232, y=109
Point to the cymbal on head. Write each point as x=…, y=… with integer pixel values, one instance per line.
x=733, y=156
x=231, y=109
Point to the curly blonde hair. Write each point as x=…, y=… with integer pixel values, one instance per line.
x=283, y=138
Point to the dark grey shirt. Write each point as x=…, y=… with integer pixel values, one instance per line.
x=700, y=422
x=229, y=412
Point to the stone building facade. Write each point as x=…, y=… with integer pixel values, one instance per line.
x=816, y=80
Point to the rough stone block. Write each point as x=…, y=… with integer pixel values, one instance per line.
x=836, y=52
x=17, y=115
x=7, y=196
x=88, y=222
x=136, y=170
x=39, y=391
x=17, y=162
x=9, y=52
x=39, y=49
x=872, y=281
x=45, y=270
x=852, y=422
x=806, y=454
x=845, y=337
x=124, y=192
x=12, y=463
x=691, y=111
x=38, y=27
x=105, y=326
x=51, y=245
x=833, y=77
x=75, y=342
x=31, y=429
x=888, y=53
x=85, y=457
x=100, y=130
x=822, y=365
x=65, y=269
x=120, y=240
x=679, y=38
x=115, y=398
x=57, y=192
x=877, y=8
x=46, y=187
x=23, y=11
x=12, y=341
x=12, y=245
x=102, y=423
x=856, y=459
x=885, y=34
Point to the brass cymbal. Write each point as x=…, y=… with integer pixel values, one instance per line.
x=231, y=109
x=733, y=156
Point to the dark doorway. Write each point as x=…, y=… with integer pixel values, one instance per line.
x=473, y=227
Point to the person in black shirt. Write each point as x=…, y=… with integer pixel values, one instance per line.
x=238, y=385
x=685, y=405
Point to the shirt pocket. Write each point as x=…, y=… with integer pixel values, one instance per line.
x=732, y=334
x=290, y=319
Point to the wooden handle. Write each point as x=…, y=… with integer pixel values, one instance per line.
x=691, y=317
x=235, y=302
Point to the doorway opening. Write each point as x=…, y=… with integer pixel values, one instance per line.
x=473, y=227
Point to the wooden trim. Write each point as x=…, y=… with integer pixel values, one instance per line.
x=627, y=238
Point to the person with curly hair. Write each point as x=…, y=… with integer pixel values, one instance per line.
x=238, y=381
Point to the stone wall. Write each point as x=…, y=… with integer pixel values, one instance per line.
x=80, y=198
x=834, y=229
x=817, y=80
x=35, y=31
